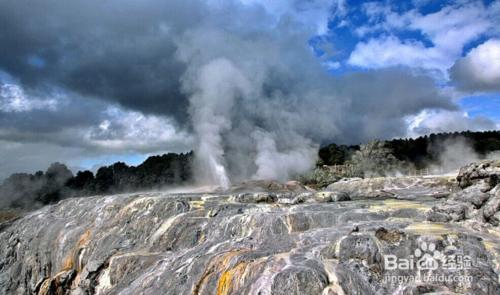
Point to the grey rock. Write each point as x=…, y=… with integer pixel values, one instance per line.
x=245, y=243
x=353, y=281
x=391, y=236
x=491, y=210
x=360, y=246
x=449, y=211
x=340, y=197
x=407, y=187
x=261, y=197
x=327, y=196
x=472, y=194
x=476, y=199
x=299, y=280
x=488, y=170
x=302, y=198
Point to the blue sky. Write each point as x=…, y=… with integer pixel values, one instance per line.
x=366, y=21
x=487, y=105
x=96, y=82
x=410, y=33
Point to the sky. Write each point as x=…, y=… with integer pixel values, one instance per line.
x=90, y=82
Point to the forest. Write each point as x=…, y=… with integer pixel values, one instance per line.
x=25, y=190
x=418, y=151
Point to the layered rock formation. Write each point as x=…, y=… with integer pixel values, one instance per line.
x=477, y=199
x=285, y=240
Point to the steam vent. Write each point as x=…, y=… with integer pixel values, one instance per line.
x=355, y=237
x=249, y=147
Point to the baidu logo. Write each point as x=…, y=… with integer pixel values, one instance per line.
x=427, y=257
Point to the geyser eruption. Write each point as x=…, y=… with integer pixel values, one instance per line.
x=229, y=138
x=215, y=87
x=280, y=165
x=252, y=115
x=261, y=103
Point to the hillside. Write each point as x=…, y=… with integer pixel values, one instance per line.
x=283, y=241
x=418, y=151
x=24, y=190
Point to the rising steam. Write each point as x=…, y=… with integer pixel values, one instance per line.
x=230, y=138
x=455, y=153
x=260, y=103
x=273, y=164
x=215, y=87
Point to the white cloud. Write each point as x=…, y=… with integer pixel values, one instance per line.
x=390, y=51
x=313, y=13
x=126, y=130
x=436, y=121
x=480, y=69
x=14, y=99
x=454, y=26
x=332, y=65
x=25, y=157
x=114, y=133
x=448, y=31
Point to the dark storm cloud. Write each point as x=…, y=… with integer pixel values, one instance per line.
x=164, y=58
x=282, y=103
x=378, y=108
x=74, y=114
x=126, y=51
x=115, y=50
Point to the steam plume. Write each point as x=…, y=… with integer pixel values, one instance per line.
x=454, y=153
x=215, y=87
x=273, y=164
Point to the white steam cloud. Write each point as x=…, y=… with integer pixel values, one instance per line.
x=273, y=164
x=218, y=89
x=239, y=66
x=259, y=113
x=254, y=87
x=454, y=153
x=216, y=86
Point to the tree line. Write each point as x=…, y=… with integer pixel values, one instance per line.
x=417, y=151
x=24, y=190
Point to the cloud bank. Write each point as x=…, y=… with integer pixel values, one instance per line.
x=237, y=80
x=480, y=69
x=442, y=34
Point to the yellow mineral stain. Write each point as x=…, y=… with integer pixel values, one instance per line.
x=136, y=204
x=165, y=226
x=202, y=237
x=495, y=232
x=400, y=219
x=489, y=245
x=197, y=204
x=84, y=239
x=71, y=259
x=217, y=265
x=230, y=278
x=68, y=262
x=493, y=249
x=44, y=288
x=392, y=204
x=430, y=228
